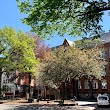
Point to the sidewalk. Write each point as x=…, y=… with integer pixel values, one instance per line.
x=24, y=101
x=24, y=105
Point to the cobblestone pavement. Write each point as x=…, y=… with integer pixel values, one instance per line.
x=82, y=105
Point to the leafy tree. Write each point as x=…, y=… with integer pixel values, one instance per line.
x=16, y=52
x=42, y=51
x=75, y=17
x=89, y=43
x=72, y=63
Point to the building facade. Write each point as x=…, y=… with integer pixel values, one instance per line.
x=25, y=84
x=90, y=88
x=7, y=86
x=82, y=88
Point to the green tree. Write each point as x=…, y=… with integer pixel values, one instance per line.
x=72, y=63
x=75, y=17
x=16, y=52
x=89, y=43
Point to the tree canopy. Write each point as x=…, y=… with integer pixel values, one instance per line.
x=74, y=17
x=42, y=51
x=72, y=63
x=16, y=51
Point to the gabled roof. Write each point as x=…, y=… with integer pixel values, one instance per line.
x=70, y=43
x=66, y=42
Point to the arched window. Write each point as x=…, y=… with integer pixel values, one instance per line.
x=104, y=84
x=95, y=84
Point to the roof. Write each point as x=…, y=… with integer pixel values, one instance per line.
x=69, y=42
x=105, y=37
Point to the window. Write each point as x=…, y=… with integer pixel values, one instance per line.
x=7, y=81
x=102, y=98
x=103, y=70
x=86, y=84
x=79, y=84
x=109, y=53
x=95, y=84
x=102, y=55
x=4, y=81
x=5, y=88
x=104, y=84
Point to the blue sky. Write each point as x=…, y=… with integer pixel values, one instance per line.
x=10, y=16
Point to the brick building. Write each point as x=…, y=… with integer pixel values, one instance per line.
x=23, y=82
x=83, y=87
x=7, y=86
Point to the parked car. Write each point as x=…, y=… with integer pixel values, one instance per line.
x=103, y=100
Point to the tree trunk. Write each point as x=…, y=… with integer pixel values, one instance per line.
x=29, y=89
x=45, y=93
x=91, y=90
x=76, y=87
x=62, y=92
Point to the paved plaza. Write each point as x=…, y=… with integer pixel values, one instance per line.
x=23, y=105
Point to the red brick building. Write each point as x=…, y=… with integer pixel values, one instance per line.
x=90, y=88
x=82, y=88
x=23, y=83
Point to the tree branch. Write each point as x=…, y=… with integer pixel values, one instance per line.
x=86, y=1
x=2, y=50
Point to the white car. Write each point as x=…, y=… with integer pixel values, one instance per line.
x=103, y=100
